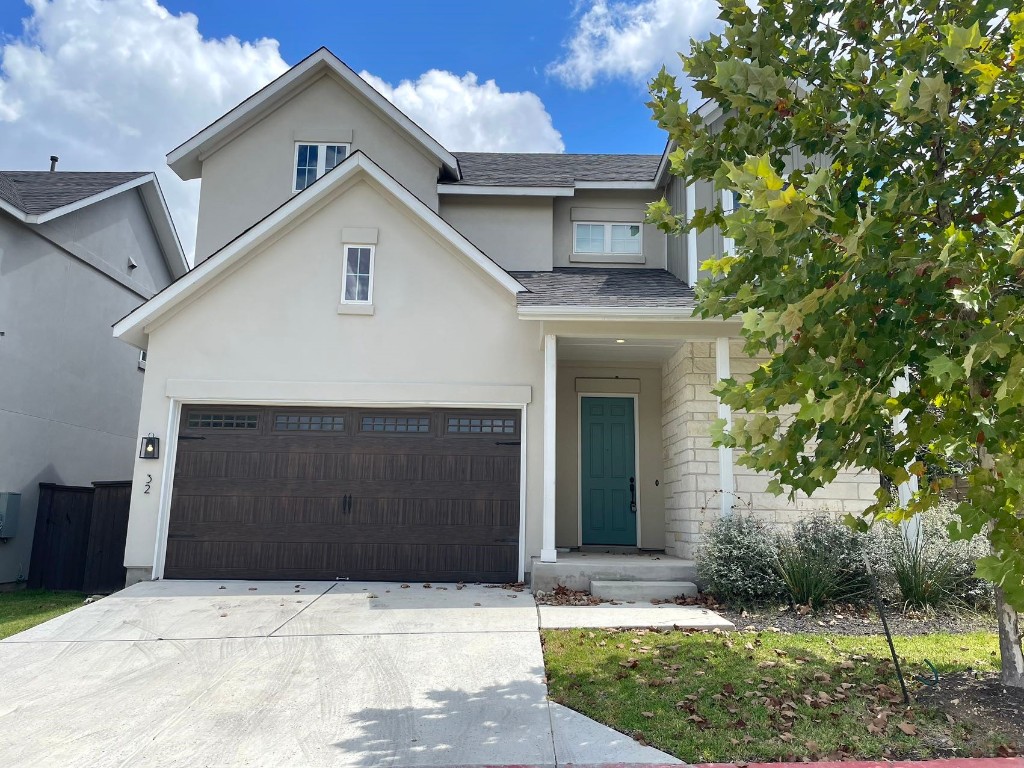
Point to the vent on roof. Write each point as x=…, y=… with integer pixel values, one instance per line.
x=53, y=163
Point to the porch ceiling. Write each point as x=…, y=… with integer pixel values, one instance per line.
x=611, y=350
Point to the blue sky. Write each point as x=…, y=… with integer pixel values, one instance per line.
x=116, y=84
x=511, y=43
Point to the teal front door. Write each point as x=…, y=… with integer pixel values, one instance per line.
x=608, y=470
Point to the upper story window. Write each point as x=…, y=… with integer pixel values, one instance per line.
x=314, y=160
x=358, y=284
x=606, y=238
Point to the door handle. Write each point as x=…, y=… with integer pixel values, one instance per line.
x=632, y=495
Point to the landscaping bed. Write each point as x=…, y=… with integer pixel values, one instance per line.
x=24, y=608
x=770, y=695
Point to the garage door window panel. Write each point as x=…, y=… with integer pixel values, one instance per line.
x=222, y=420
x=462, y=424
x=395, y=424
x=308, y=422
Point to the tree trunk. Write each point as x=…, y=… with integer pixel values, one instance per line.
x=1010, y=653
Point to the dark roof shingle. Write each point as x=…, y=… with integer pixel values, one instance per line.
x=602, y=287
x=519, y=169
x=37, y=192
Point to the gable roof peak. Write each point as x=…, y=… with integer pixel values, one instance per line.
x=186, y=159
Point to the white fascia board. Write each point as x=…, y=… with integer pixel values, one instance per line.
x=609, y=313
x=163, y=225
x=509, y=191
x=617, y=184
x=709, y=111
x=663, y=165
x=17, y=213
x=132, y=327
x=185, y=160
x=85, y=202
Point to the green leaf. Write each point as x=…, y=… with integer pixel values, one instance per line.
x=945, y=371
x=959, y=40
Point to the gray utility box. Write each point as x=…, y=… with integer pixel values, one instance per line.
x=10, y=503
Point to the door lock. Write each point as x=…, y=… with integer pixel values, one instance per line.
x=632, y=495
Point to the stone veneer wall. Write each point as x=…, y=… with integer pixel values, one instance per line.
x=692, y=485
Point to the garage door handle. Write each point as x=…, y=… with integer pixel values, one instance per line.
x=508, y=442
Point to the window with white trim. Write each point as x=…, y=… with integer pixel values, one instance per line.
x=314, y=160
x=358, y=280
x=607, y=238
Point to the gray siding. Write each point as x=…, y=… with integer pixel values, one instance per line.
x=69, y=391
x=676, y=261
x=110, y=232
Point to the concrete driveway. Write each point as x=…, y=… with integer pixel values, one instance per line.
x=209, y=673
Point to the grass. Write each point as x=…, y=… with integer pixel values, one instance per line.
x=763, y=696
x=25, y=608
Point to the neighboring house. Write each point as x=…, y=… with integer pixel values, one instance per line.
x=77, y=251
x=424, y=364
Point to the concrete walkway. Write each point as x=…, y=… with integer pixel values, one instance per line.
x=285, y=674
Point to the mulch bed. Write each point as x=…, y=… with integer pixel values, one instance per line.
x=855, y=620
x=980, y=699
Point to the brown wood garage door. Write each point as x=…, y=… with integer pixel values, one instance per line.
x=374, y=494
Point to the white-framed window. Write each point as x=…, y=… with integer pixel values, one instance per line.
x=142, y=359
x=607, y=238
x=314, y=160
x=357, y=286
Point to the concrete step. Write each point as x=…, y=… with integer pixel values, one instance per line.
x=642, y=590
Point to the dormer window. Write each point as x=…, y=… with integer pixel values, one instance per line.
x=314, y=160
x=603, y=238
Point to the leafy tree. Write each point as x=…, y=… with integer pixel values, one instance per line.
x=876, y=149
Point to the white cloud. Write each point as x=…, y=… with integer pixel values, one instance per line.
x=466, y=115
x=115, y=85
x=632, y=40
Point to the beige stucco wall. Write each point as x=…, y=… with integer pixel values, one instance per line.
x=252, y=174
x=635, y=201
x=650, y=497
x=271, y=326
x=692, y=484
x=514, y=231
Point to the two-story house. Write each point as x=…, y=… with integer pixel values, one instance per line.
x=394, y=361
x=77, y=251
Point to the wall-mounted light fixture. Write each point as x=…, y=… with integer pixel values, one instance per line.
x=150, y=447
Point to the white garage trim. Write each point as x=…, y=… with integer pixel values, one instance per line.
x=171, y=452
x=333, y=393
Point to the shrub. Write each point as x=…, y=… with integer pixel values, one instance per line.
x=938, y=572
x=823, y=562
x=737, y=562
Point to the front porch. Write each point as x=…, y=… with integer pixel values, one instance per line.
x=579, y=569
x=630, y=473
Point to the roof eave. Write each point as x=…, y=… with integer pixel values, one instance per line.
x=568, y=312
x=504, y=189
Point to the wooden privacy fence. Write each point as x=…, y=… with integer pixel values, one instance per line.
x=79, y=537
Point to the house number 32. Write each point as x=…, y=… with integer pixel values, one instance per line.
x=149, y=484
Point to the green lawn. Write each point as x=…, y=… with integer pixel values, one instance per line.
x=27, y=607
x=746, y=696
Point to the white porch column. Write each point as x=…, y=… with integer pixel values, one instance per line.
x=548, y=554
x=725, y=468
x=905, y=491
